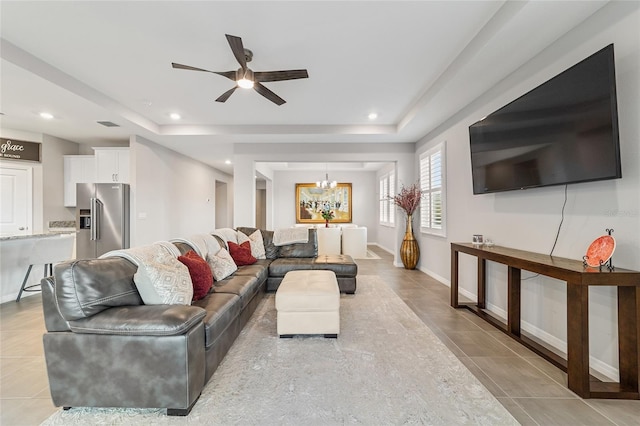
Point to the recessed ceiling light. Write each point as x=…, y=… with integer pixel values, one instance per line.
x=46, y=115
x=227, y=161
x=175, y=116
x=373, y=116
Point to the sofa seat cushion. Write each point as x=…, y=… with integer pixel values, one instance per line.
x=221, y=310
x=259, y=270
x=142, y=320
x=244, y=286
x=342, y=265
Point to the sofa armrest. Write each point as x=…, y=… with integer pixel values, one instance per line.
x=141, y=320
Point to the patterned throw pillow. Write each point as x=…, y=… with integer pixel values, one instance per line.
x=241, y=253
x=165, y=281
x=201, y=275
x=256, y=242
x=221, y=264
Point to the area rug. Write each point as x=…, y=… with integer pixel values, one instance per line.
x=371, y=255
x=386, y=367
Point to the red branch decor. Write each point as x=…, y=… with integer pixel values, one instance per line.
x=408, y=199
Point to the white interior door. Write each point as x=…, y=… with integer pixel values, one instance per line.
x=15, y=200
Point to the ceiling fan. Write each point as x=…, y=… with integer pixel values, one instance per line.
x=245, y=77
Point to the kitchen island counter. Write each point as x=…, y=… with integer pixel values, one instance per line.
x=28, y=236
x=15, y=258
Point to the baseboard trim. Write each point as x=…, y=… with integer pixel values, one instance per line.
x=599, y=368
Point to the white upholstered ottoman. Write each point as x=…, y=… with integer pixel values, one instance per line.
x=308, y=302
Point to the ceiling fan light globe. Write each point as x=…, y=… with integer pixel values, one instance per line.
x=245, y=83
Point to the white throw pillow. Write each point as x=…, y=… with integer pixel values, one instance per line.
x=221, y=264
x=165, y=281
x=257, y=245
x=243, y=238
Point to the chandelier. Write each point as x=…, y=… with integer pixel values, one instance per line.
x=326, y=183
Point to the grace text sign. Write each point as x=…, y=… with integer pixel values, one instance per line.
x=19, y=150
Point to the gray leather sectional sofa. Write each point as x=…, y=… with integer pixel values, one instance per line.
x=105, y=348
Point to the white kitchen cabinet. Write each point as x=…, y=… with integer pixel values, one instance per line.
x=112, y=165
x=77, y=169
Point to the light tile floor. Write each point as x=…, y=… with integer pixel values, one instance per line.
x=529, y=387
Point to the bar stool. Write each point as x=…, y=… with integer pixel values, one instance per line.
x=47, y=251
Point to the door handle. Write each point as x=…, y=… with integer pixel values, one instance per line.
x=92, y=217
x=22, y=228
x=96, y=224
x=96, y=207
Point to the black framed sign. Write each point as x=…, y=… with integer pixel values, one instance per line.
x=12, y=149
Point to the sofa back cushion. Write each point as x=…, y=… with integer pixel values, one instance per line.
x=86, y=287
x=308, y=249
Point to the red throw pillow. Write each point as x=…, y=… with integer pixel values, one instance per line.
x=241, y=253
x=200, y=273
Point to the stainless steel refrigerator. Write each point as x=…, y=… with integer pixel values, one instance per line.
x=102, y=218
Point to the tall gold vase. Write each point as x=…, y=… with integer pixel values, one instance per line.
x=409, y=250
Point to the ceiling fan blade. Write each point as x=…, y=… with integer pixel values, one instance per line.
x=280, y=75
x=238, y=50
x=268, y=93
x=231, y=75
x=225, y=95
x=187, y=67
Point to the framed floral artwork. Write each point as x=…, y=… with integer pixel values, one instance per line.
x=311, y=201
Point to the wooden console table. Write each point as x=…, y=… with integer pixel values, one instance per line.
x=578, y=279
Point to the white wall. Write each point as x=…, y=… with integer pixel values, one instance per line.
x=48, y=177
x=53, y=150
x=247, y=155
x=363, y=202
x=386, y=235
x=529, y=219
x=171, y=195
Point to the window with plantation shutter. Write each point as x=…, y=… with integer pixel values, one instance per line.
x=432, y=183
x=392, y=192
x=387, y=190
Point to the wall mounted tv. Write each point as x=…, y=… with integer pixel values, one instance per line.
x=564, y=131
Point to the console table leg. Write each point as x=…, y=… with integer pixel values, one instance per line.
x=482, y=283
x=578, y=339
x=454, y=278
x=628, y=336
x=513, y=301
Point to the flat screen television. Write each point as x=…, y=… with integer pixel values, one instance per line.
x=563, y=131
